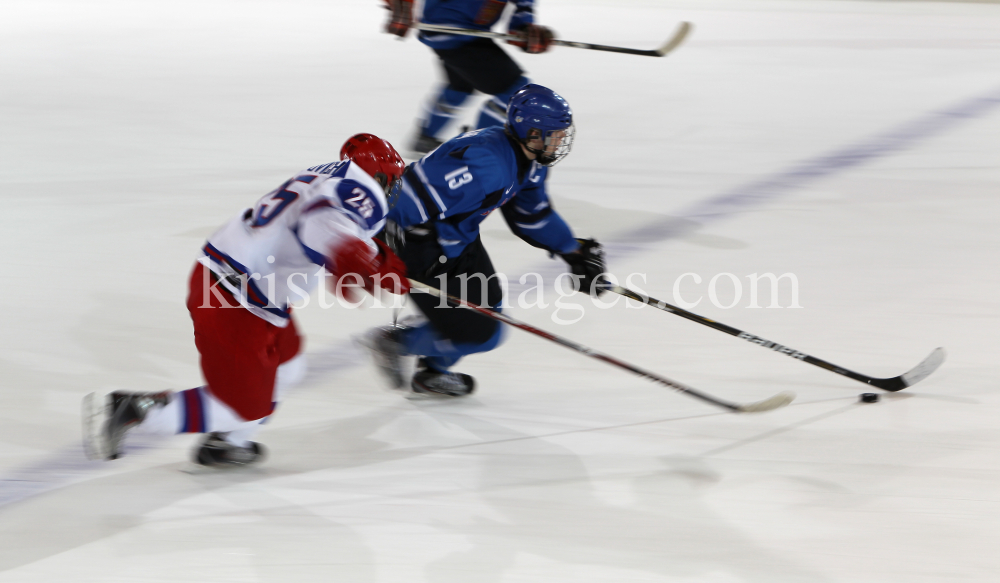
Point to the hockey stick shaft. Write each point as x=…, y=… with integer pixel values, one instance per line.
x=779, y=400
x=918, y=373
x=671, y=44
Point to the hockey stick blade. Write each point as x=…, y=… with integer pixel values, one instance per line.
x=908, y=379
x=775, y=402
x=779, y=400
x=682, y=32
x=912, y=376
x=671, y=43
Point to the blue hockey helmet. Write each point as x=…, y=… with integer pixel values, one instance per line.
x=541, y=120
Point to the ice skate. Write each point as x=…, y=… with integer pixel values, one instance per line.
x=124, y=411
x=216, y=452
x=423, y=144
x=447, y=384
x=386, y=348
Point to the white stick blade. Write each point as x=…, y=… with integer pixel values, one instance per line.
x=925, y=368
x=675, y=40
x=776, y=402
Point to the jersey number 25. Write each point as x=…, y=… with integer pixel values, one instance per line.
x=363, y=205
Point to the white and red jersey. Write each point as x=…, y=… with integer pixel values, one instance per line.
x=273, y=255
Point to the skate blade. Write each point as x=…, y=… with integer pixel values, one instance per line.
x=413, y=395
x=92, y=416
x=196, y=469
x=192, y=468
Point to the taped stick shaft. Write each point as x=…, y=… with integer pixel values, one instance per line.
x=910, y=378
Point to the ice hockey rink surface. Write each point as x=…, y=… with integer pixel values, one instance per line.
x=852, y=144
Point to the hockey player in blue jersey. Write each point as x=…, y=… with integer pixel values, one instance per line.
x=445, y=196
x=470, y=63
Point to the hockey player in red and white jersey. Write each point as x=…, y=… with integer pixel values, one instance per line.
x=319, y=223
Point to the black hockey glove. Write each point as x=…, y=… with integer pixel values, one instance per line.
x=588, y=263
x=393, y=236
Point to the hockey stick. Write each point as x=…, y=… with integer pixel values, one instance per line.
x=907, y=379
x=779, y=400
x=669, y=45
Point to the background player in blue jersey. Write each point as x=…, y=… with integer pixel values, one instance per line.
x=445, y=196
x=470, y=64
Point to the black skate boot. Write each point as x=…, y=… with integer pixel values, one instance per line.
x=428, y=381
x=424, y=144
x=125, y=411
x=216, y=452
x=386, y=347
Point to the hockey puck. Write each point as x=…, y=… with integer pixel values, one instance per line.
x=869, y=397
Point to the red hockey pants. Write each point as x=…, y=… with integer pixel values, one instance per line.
x=240, y=352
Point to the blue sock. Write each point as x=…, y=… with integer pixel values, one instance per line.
x=494, y=111
x=440, y=354
x=445, y=109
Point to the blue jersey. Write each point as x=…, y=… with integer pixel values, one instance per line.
x=474, y=14
x=458, y=185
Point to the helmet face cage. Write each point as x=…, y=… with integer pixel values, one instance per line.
x=556, y=144
x=391, y=187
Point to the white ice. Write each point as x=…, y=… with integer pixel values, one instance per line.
x=838, y=141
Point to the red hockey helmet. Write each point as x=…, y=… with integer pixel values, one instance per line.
x=378, y=158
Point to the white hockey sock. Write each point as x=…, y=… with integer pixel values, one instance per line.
x=240, y=437
x=162, y=420
x=290, y=374
x=193, y=411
